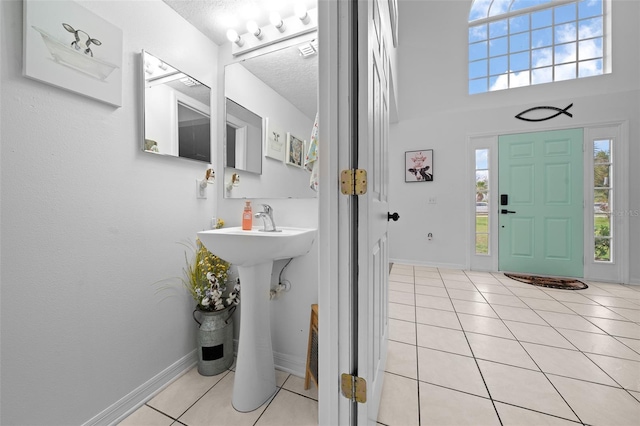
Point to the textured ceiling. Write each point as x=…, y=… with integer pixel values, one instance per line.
x=285, y=71
x=292, y=76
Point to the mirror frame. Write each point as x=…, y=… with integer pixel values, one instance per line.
x=178, y=99
x=295, y=180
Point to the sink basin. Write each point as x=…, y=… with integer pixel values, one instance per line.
x=253, y=253
x=244, y=248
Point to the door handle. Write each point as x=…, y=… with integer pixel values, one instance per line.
x=394, y=216
x=505, y=211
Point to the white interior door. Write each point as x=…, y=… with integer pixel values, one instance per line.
x=353, y=248
x=373, y=208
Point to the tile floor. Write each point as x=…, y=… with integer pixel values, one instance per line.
x=472, y=348
x=196, y=400
x=466, y=348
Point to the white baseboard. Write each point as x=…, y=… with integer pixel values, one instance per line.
x=290, y=364
x=430, y=264
x=131, y=402
x=128, y=404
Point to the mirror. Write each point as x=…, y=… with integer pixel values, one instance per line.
x=243, y=138
x=280, y=87
x=177, y=112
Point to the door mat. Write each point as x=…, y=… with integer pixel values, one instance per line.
x=550, y=282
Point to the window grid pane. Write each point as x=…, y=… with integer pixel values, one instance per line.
x=587, y=8
x=590, y=49
x=542, y=75
x=554, y=44
x=477, y=33
x=478, y=86
x=478, y=51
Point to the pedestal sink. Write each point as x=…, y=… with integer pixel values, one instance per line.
x=253, y=253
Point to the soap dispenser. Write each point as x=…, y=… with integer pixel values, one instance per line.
x=247, y=217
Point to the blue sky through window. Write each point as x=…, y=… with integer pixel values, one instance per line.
x=512, y=45
x=482, y=159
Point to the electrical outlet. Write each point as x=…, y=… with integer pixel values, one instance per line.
x=432, y=200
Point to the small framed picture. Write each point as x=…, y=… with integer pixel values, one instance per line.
x=68, y=46
x=274, y=140
x=295, y=151
x=418, y=166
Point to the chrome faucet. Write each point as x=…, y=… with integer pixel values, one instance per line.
x=267, y=218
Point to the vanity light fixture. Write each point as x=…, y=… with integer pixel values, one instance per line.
x=277, y=21
x=303, y=21
x=234, y=37
x=254, y=29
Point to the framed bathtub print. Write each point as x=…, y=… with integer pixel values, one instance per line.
x=418, y=166
x=68, y=46
x=295, y=151
x=274, y=140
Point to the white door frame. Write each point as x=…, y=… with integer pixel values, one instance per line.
x=340, y=287
x=333, y=290
x=617, y=271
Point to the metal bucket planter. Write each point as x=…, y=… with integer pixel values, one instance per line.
x=215, y=341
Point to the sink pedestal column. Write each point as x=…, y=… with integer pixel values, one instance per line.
x=255, y=377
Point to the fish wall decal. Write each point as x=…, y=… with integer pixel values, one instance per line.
x=559, y=111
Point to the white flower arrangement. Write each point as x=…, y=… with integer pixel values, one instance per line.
x=205, y=278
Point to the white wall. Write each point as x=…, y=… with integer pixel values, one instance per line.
x=89, y=224
x=436, y=113
x=291, y=310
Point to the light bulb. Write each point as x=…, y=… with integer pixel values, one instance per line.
x=276, y=21
x=233, y=37
x=254, y=29
x=301, y=11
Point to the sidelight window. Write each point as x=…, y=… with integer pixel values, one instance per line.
x=482, y=201
x=602, y=199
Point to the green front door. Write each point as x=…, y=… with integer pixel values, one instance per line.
x=541, y=203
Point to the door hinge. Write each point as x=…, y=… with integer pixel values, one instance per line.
x=354, y=388
x=353, y=182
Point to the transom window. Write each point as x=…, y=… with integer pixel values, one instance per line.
x=514, y=43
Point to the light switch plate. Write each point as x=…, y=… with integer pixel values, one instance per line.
x=200, y=191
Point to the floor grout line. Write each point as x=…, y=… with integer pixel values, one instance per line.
x=475, y=359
